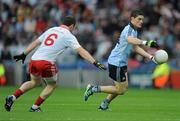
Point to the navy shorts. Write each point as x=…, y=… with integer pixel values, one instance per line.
x=117, y=73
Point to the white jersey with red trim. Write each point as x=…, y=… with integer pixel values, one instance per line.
x=53, y=42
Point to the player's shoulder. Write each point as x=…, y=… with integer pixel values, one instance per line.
x=49, y=30
x=54, y=29
x=57, y=28
x=70, y=36
x=65, y=32
x=60, y=30
x=125, y=30
x=127, y=27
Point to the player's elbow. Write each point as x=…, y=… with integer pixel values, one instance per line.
x=82, y=52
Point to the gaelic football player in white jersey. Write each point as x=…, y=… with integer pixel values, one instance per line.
x=42, y=64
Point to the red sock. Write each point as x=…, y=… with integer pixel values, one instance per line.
x=39, y=101
x=18, y=93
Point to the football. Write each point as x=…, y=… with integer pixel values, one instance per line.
x=161, y=56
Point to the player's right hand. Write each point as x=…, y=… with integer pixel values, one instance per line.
x=22, y=57
x=99, y=65
x=152, y=43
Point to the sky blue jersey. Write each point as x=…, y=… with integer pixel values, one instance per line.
x=119, y=55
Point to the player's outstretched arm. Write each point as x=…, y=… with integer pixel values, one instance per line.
x=30, y=47
x=142, y=52
x=86, y=55
x=136, y=41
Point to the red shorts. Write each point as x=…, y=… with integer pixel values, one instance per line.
x=42, y=68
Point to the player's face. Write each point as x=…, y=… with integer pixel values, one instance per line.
x=137, y=21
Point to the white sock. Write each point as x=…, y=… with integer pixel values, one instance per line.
x=14, y=98
x=35, y=106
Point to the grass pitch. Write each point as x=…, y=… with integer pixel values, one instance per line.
x=68, y=105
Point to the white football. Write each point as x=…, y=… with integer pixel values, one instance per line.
x=161, y=56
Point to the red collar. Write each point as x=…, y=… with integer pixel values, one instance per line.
x=64, y=26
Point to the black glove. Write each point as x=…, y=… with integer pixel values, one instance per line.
x=99, y=65
x=152, y=43
x=22, y=57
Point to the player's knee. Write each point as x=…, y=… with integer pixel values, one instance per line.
x=121, y=91
x=52, y=84
x=35, y=82
x=124, y=90
x=51, y=81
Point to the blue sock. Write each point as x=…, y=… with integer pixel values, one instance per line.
x=96, y=89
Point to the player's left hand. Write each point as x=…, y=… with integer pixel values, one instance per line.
x=21, y=56
x=99, y=65
x=152, y=43
x=152, y=58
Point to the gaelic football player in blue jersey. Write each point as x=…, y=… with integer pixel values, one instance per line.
x=117, y=61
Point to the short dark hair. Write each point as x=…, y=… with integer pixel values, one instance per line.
x=136, y=12
x=69, y=20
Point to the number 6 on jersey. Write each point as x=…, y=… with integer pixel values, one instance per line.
x=50, y=40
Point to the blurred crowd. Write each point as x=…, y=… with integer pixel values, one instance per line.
x=99, y=24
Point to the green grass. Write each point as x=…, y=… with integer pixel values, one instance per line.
x=68, y=105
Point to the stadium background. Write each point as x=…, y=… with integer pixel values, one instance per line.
x=99, y=24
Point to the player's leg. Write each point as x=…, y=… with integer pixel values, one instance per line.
x=35, y=80
x=111, y=90
x=48, y=71
x=47, y=91
x=122, y=87
x=118, y=89
x=110, y=97
x=118, y=75
x=105, y=103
